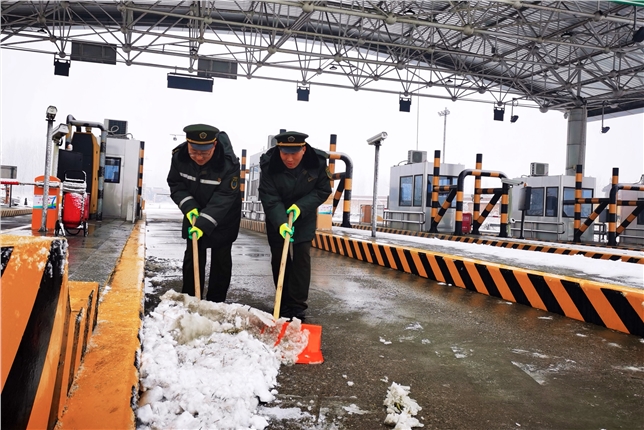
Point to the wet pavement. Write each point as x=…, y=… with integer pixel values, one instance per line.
x=91, y=258
x=471, y=361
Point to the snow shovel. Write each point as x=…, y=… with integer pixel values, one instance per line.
x=312, y=353
x=195, y=263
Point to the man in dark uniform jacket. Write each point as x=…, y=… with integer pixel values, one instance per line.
x=294, y=178
x=204, y=183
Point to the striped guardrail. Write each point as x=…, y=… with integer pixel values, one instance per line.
x=559, y=248
x=612, y=306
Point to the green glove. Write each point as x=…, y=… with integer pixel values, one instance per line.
x=195, y=230
x=192, y=215
x=284, y=228
x=295, y=210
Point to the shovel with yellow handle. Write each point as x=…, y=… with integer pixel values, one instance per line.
x=312, y=353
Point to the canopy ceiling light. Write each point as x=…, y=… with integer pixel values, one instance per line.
x=404, y=104
x=61, y=67
x=638, y=36
x=303, y=94
x=498, y=113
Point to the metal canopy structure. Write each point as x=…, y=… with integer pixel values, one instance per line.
x=548, y=54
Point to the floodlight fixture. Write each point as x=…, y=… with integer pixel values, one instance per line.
x=499, y=113
x=61, y=67
x=303, y=94
x=404, y=104
x=605, y=130
x=513, y=117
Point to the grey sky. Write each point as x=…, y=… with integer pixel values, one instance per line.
x=250, y=110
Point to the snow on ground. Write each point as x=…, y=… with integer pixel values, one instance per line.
x=215, y=366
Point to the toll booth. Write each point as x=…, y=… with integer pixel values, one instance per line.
x=123, y=175
x=410, y=194
x=546, y=217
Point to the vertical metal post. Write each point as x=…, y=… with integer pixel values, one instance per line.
x=101, y=175
x=477, y=196
x=435, y=182
x=45, y=193
x=375, y=191
x=444, y=114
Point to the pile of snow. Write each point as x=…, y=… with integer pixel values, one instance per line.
x=401, y=409
x=206, y=365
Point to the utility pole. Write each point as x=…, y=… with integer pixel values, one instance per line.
x=444, y=114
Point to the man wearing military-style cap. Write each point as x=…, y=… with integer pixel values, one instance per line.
x=204, y=183
x=294, y=178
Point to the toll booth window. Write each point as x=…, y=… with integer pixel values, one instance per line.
x=405, y=191
x=552, y=197
x=640, y=216
x=418, y=190
x=112, y=170
x=568, y=210
x=536, y=202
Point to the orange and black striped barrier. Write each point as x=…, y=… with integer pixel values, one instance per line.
x=242, y=174
x=477, y=195
x=35, y=310
x=501, y=193
x=615, y=307
x=612, y=202
x=345, y=184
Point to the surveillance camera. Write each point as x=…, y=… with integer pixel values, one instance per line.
x=51, y=113
x=513, y=182
x=377, y=139
x=59, y=132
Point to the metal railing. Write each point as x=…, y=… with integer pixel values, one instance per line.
x=537, y=230
x=387, y=218
x=253, y=210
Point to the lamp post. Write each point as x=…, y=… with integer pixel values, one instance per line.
x=444, y=114
x=376, y=141
x=50, y=115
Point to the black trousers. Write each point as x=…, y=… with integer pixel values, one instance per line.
x=221, y=266
x=297, y=275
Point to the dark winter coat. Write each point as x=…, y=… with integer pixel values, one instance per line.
x=279, y=189
x=213, y=189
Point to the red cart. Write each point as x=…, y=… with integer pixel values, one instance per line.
x=75, y=206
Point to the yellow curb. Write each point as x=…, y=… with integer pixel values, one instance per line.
x=107, y=382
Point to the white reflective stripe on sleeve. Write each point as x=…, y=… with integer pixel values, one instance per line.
x=209, y=218
x=188, y=177
x=185, y=200
x=209, y=182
